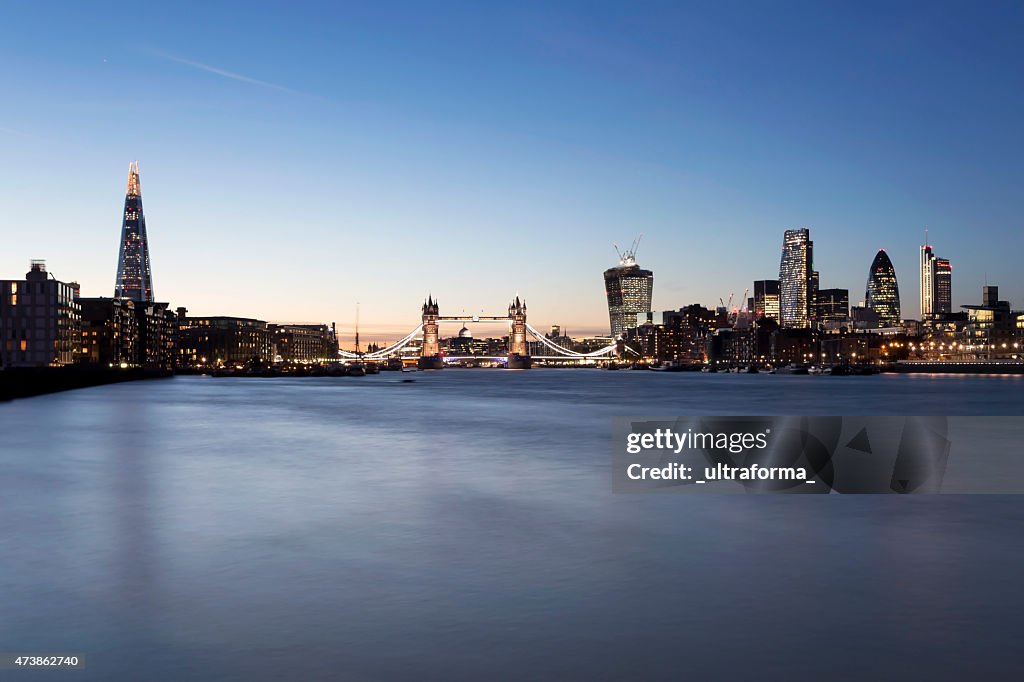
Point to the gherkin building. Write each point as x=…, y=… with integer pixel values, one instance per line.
x=883, y=292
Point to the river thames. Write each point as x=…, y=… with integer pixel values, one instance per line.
x=462, y=527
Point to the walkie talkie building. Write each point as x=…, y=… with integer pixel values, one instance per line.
x=134, y=276
x=629, y=289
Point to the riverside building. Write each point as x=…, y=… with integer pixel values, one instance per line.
x=40, y=320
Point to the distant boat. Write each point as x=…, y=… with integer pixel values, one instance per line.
x=410, y=369
x=356, y=369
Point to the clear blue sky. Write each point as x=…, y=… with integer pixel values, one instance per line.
x=297, y=159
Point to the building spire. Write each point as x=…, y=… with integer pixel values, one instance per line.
x=134, y=187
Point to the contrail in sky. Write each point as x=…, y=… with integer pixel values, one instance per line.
x=223, y=72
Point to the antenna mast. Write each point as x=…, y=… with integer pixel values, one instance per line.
x=358, y=352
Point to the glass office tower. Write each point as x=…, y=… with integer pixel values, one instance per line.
x=629, y=289
x=936, y=284
x=796, y=278
x=883, y=292
x=134, y=277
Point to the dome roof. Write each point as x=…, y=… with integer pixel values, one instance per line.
x=464, y=333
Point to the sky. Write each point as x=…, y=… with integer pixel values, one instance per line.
x=299, y=161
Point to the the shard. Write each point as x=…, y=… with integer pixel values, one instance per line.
x=134, y=276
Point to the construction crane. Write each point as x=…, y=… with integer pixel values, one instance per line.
x=740, y=316
x=628, y=257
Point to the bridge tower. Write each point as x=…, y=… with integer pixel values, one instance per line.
x=518, y=351
x=430, y=356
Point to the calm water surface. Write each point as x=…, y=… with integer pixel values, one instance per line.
x=462, y=528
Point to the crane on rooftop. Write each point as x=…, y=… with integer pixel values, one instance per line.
x=628, y=257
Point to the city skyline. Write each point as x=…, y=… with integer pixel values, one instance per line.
x=473, y=179
x=797, y=259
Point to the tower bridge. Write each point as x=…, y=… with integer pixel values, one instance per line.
x=518, y=348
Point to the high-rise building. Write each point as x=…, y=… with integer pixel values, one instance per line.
x=796, y=278
x=766, y=299
x=629, y=289
x=936, y=276
x=813, y=303
x=134, y=276
x=883, y=292
x=927, y=281
x=833, y=305
x=943, y=272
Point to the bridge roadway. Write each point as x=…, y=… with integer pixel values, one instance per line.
x=474, y=318
x=504, y=358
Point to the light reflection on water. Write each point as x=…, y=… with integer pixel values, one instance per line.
x=462, y=527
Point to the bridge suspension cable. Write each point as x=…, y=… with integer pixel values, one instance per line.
x=610, y=349
x=383, y=352
x=607, y=350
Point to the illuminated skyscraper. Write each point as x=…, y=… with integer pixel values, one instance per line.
x=936, y=283
x=134, y=277
x=927, y=282
x=812, y=303
x=766, y=299
x=796, y=278
x=883, y=292
x=943, y=272
x=629, y=289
